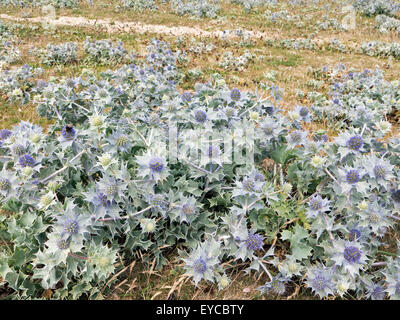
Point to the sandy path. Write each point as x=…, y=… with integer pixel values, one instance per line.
x=118, y=26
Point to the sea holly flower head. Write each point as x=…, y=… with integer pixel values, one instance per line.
x=376, y=218
x=46, y=200
x=186, y=97
x=348, y=254
x=26, y=161
x=379, y=171
x=113, y=189
x=61, y=246
x=211, y=154
x=297, y=137
x=270, y=128
x=320, y=280
x=97, y=121
x=235, y=95
x=201, y=262
x=223, y=281
x=186, y=210
x=303, y=113
x=148, y=225
x=254, y=242
x=120, y=141
x=71, y=224
x=103, y=205
x=317, y=205
x=248, y=186
x=375, y=291
x=275, y=286
x=106, y=160
x=68, y=132
x=4, y=134
x=247, y=242
x=152, y=167
x=290, y=267
x=355, y=143
x=317, y=161
x=352, y=178
x=8, y=184
x=343, y=283
x=102, y=260
x=200, y=116
x=158, y=203
x=384, y=126
x=350, y=143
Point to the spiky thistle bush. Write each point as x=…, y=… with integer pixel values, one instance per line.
x=375, y=7
x=133, y=165
x=196, y=8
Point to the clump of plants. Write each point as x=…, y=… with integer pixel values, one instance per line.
x=134, y=165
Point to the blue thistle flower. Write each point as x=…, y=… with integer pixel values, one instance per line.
x=186, y=97
x=317, y=205
x=5, y=184
x=355, y=143
x=71, y=226
x=380, y=172
x=303, y=112
x=320, y=281
x=200, y=116
x=249, y=185
x=102, y=200
x=200, y=266
x=200, y=263
x=63, y=244
x=235, y=94
x=348, y=255
x=26, y=161
x=354, y=234
x=352, y=254
x=156, y=164
x=254, y=242
x=376, y=292
x=352, y=176
x=259, y=177
x=297, y=137
x=276, y=285
x=68, y=132
x=4, y=134
x=395, y=195
x=158, y=202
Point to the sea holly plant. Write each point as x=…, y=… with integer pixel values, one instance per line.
x=135, y=167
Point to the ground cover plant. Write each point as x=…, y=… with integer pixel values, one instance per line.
x=233, y=149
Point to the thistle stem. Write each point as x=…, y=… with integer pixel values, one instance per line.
x=197, y=167
x=363, y=129
x=63, y=168
x=333, y=178
x=266, y=270
x=77, y=256
x=378, y=264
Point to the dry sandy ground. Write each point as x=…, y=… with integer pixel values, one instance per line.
x=112, y=26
